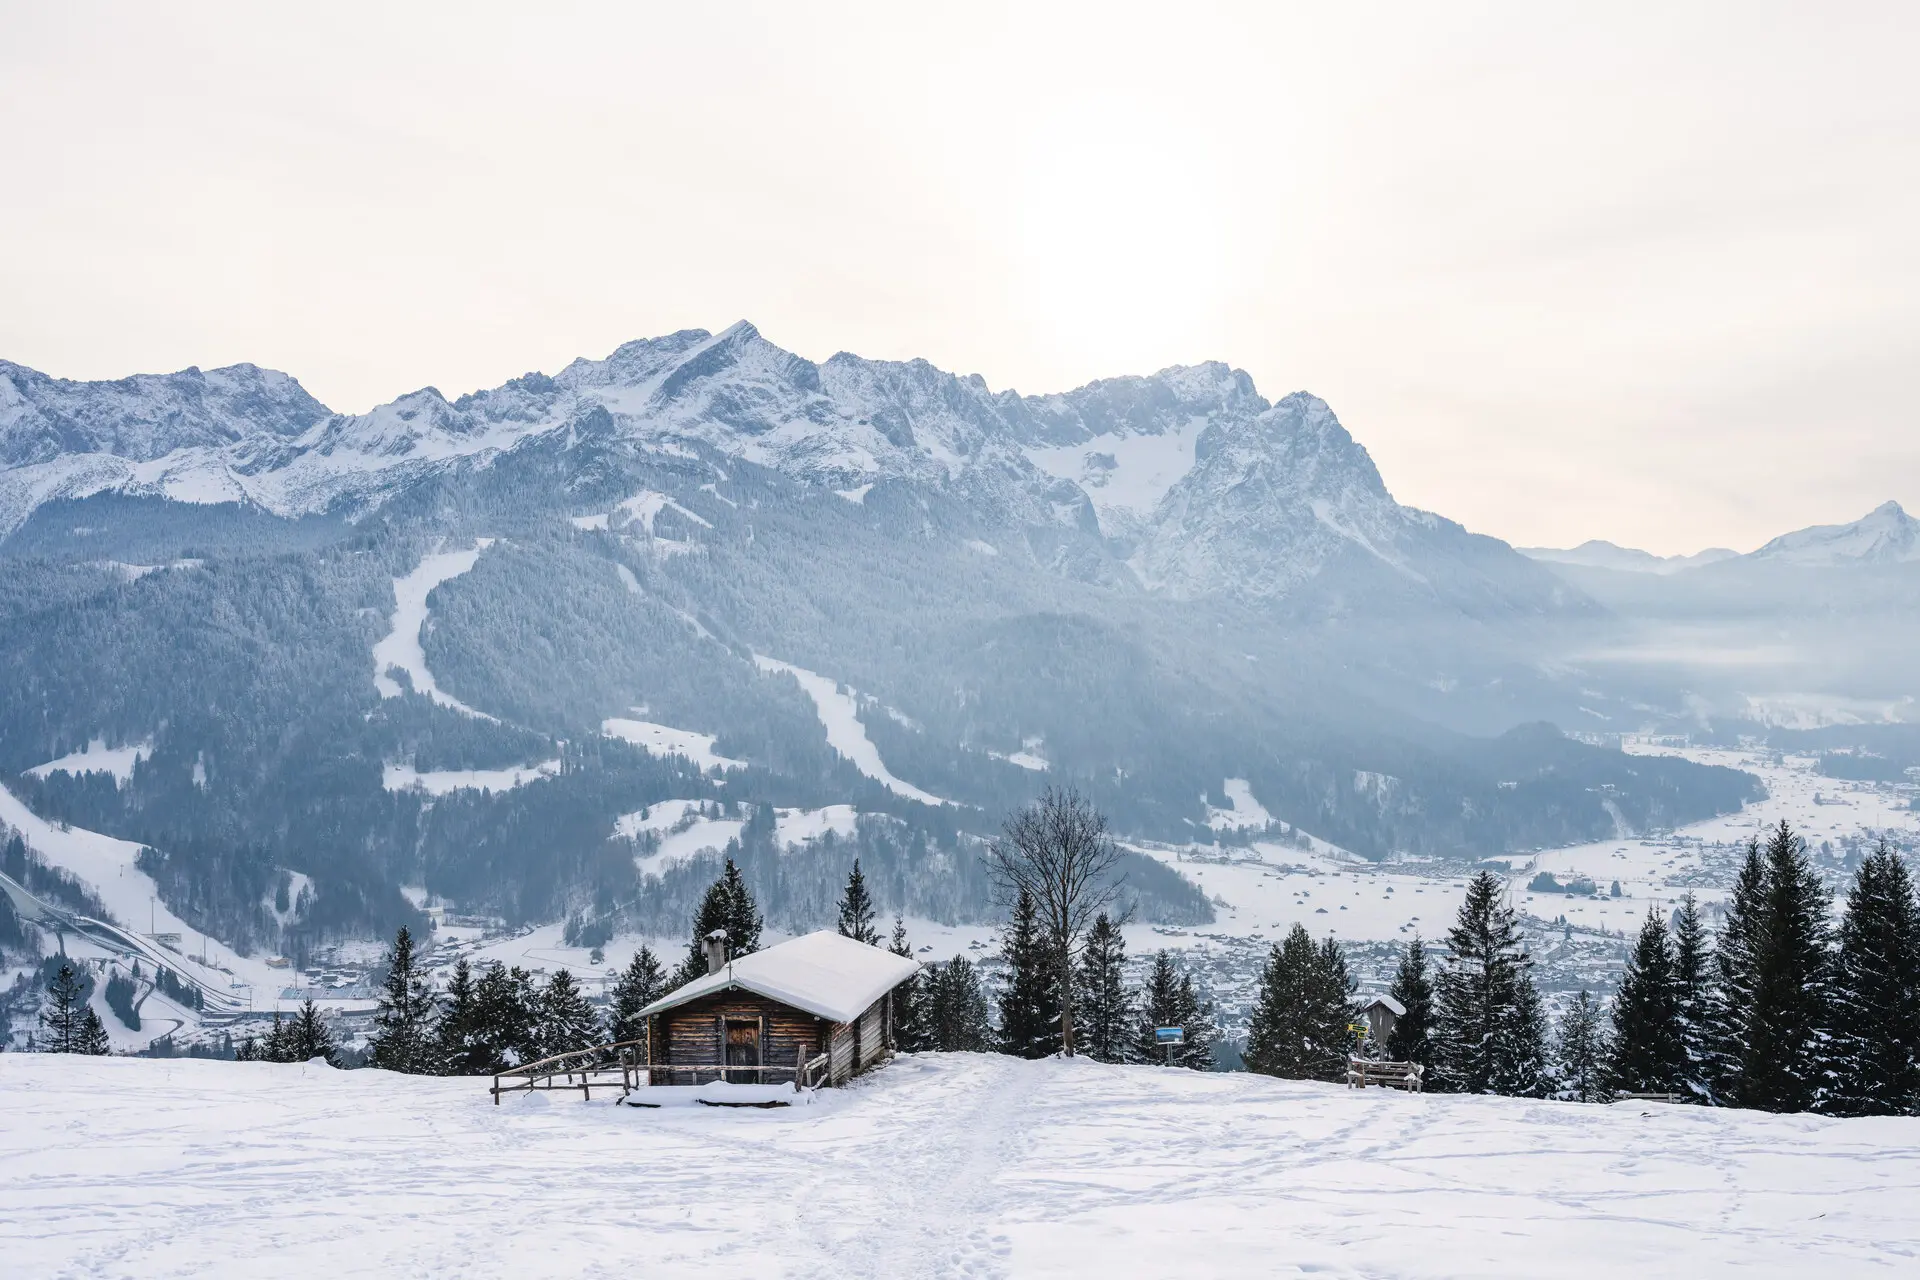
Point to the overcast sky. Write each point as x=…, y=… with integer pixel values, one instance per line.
x=1648, y=274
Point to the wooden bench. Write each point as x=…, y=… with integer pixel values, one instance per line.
x=1362, y=1072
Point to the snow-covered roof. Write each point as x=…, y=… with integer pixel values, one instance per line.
x=823, y=973
x=1391, y=1005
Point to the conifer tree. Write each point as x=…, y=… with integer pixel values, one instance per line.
x=508, y=1013
x=1411, y=1037
x=309, y=1037
x=640, y=985
x=459, y=1035
x=567, y=1021
x=1029, y=1002
x=1168, y=1000
x=1783, y=1062
x=274, y=1048
x=1582, y=1051
x=248, y=1050
x=1491, y=1031
x=1693, y=982
x=1648, y=1052
x=92, y=1036
x=727, y=905
x=402, y=1038
x=956, y=1010
x=1104, y=1023
x=1877, y=996
x=856, y=910
x=63, y=1016
x=909, y=998
x=1298, y=1030
x=1731, y=1003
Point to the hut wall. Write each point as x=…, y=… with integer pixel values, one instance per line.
x=693, y=1035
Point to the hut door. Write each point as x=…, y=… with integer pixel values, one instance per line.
x=743, y=1044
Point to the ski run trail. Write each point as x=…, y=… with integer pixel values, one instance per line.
x=960, y=1165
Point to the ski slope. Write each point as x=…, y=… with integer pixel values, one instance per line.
x=935, y=1166
x=401, y=646
x=840, y=716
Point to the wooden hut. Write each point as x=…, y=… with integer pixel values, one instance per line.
x=818, y=1009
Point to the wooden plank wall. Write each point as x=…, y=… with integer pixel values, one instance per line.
x=691, y=1035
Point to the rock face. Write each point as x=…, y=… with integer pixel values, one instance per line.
x=1186, y=483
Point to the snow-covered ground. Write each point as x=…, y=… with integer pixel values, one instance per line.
x=663, y=740
x=98, y=757
x=400, y=647
x=938, y=1166
x=840, y=715
x=440, y=782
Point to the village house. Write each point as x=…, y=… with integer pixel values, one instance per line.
x=817, y=1009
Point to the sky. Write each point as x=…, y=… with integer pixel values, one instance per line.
x=1638, y=272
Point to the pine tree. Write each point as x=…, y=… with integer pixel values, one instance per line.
x=1877, y=996
x=727, y=905
x=248, y=1050
x=1582, y=1051
x=856, y=910
x=1783, y=1063
x=1029, y=1002
x=459, y=1036
x=63, y=1016
x=402, y=1038
x=309, y=1037
x=1103, y=1023
x=275, y=1048
x=92, y=1036
x=508, y=1015
x=956, y=1013
x=567, y=1021
x=1411, y=1037
x=1730, y=1006
x=1298, y=1030
x=641, y=984
x=1693, y=982
x=1648, y=1053
x=909, y=998
x=1168, y=1000
x=1490, y=1029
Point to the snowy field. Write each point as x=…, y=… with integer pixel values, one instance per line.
x=940, y=1166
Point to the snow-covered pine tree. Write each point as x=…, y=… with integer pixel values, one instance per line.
x=1167, y=1000
x=274, y=1047
x=856, y=910
x=1784, y=1064
x=727, y=905
x=1581, y=1051
x=909, y=998
x=1411, y=1038
x=1104, y=1021
x=1648, y=1052
x=1877, y=997
x=1298, y=1030
x=508, y=1015
x=640, y=985
x=248, y=1050
x=62, y=1017
x=459, y=1038
x=1029, y=1005
x=309, y=1037
x=1490, y=1032
x=567, y=1021
x=1693, y=981
x=956, y=1012
x=402, y=1038
x=92, y=1036
x=1731, y=1002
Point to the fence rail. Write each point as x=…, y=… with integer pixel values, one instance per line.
x=624, y=1066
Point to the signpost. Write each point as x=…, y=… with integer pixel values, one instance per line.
x=1169, y=1036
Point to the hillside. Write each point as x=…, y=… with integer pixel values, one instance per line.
x=934, y=1167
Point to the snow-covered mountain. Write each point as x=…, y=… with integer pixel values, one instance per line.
x=1600, y=554
x=1885, y=535
x=1187, y=483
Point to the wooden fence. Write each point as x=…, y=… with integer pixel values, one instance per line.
x=623, y=1066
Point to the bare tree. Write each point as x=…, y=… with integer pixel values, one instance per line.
x=1056, y=850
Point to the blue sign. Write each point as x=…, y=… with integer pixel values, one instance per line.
x=1169, y=1035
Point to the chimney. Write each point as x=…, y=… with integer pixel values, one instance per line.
x=714, y=947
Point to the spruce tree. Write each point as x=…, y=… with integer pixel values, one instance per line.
x=640, y=985
x=275, y=1047
x=1582, y=1052
x=909, y=998
x=567, y=1021
x=1783, y=1063
x=459, y=1036
x=1298, y=1030
x=1103, y=1024
x=1648, y=1052
x=1411, y=1037
x=403, y=1026
x=1731, y=1004
x=1693, y=982
x=856, y=910
x=956, y=1010
x=727, y=905
x=309, y=1037
x=508, y=1014
x=1168, y=1000
x=1490, y=1029
x=1877, y=992
x=1029, y=1002
x=92, y=1036
x=63, y=1016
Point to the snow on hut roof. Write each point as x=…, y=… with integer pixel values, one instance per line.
x=822, y=973
x=1393, y=1006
